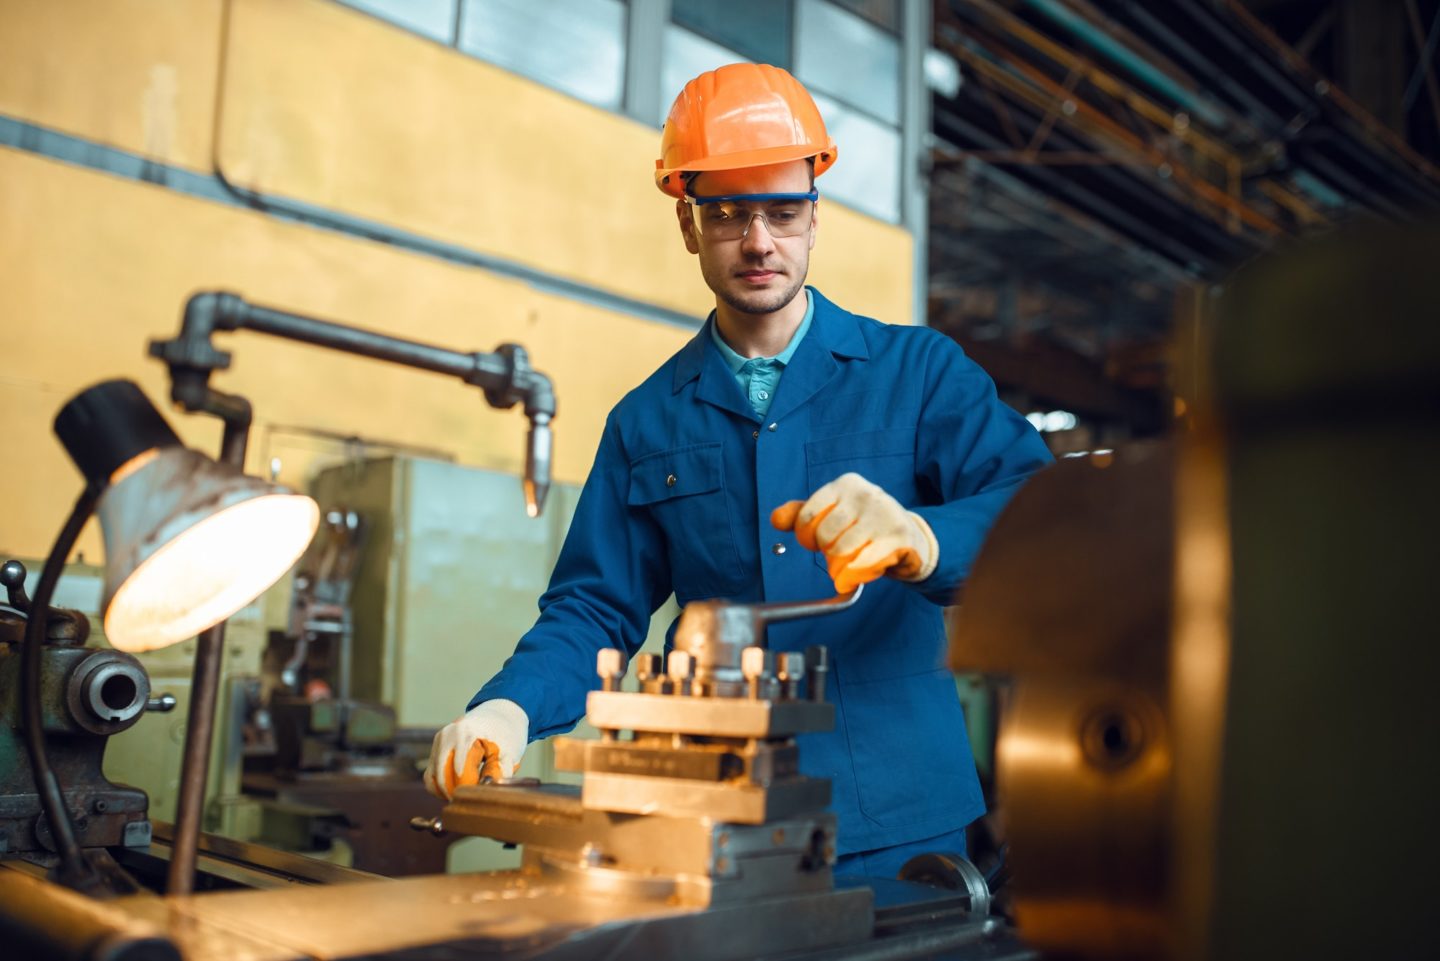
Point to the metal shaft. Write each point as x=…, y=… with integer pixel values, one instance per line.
x=204, y=687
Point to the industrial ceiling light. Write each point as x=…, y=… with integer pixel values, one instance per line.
x=188, y=542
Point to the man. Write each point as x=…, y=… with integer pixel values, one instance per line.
x=882, y=447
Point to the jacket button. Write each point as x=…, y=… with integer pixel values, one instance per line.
x=778, y=549
x=670, y=481
x=755, y=434
x=773, y=426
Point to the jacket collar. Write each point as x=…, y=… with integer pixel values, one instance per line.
x=833, y=333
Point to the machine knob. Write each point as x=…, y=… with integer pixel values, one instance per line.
x=12, y=575
x=160, y=704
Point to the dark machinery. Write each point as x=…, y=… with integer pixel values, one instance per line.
x=87, y=694
x=322, y=762
x=1219, y=737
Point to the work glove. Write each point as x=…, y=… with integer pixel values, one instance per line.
x=486, y=742
x=863, y=532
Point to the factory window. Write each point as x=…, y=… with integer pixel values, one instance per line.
x=758, y=30
x=867, y=174
x=882, y=13
x=848, y=58
x=577, y=46
x=429, y=18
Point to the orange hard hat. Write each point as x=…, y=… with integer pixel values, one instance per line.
x=741, y=115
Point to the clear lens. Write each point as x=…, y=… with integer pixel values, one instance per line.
x=732, y=219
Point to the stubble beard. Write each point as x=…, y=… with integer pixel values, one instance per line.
x=757, y=301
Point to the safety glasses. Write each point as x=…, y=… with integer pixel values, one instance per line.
x=729, y=217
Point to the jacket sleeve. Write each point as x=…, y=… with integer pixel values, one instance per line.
x=611, y=576
x=972, y=454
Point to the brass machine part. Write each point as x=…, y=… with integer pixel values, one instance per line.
x=1083, y=759
x=711, y=759
x=1220, y=655
x=714, y=735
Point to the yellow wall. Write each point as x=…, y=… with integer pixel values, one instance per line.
x=322, y=104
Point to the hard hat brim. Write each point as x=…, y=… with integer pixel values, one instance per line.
x=669, y=181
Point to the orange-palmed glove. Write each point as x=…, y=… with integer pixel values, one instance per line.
x=863, y=532
x=486, y=742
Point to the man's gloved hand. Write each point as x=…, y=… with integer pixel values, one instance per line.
x=486, y=742
x=863, y=531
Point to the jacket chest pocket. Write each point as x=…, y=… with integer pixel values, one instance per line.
x=684, y=491
x=883, y=457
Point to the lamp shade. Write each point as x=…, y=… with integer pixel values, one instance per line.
x=188, y=542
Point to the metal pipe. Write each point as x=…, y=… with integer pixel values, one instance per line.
x=505, y=376
x=204, y=687
x=1065, y=18
x=1024, y=81
x=368, y=343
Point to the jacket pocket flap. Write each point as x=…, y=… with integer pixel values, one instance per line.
x=674, y=473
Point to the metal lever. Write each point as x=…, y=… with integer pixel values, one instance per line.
x=12, y=575
x=790, y=610
x=160, y=704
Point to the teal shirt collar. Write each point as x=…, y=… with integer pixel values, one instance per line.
x=734, y=361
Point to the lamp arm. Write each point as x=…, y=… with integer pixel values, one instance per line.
x=75, y=871
x=505, y=376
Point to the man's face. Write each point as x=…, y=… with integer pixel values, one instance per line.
x=759, y=273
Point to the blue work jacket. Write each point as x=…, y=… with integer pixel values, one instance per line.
x=679, y=499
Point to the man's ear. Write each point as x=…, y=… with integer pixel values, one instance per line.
x=814, y=224
x=687, y=226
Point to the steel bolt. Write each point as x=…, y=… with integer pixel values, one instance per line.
x=817, y=656
x=754, y=664
x=790, y=672
x=610, y=665
x=649, y=672
x=680, y=668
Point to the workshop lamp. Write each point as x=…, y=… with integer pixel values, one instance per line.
x=188, y=542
